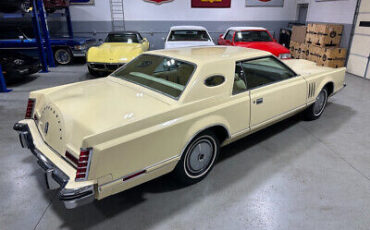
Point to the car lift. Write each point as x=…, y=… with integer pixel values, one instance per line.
x=3, y=88
x=42, y=36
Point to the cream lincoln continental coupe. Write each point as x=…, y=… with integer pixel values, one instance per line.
x=165, y=111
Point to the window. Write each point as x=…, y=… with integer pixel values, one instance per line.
x=239, y=80
x=127, y=38
x=229, y=35
x=162, y=74
x=264, y=71
x=252, y=36
x=214, y=81
x=189, y=35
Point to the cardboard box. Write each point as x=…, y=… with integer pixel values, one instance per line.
x=299, y=34
x=330, y=57
x=324, y=35
x=293, y=47
x=305, y=51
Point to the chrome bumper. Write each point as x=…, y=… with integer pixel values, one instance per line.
x=54, y=177
x=79, y=53
x=104, y=67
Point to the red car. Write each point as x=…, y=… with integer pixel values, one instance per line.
x=253, y=37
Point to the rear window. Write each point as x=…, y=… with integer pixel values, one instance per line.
x=127, y=38
x=189, y=35
x=252, y=36
x=166, y=75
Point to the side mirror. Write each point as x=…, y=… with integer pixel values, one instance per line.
x=21, y=38
x=274, y=40
x=221, y=36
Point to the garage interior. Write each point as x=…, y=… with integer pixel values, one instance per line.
x=293, y=175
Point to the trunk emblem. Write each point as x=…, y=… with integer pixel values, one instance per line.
x=46, y=128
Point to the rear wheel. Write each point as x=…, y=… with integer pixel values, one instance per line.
x=63, y=56
x=316, y=109
x=198, y=158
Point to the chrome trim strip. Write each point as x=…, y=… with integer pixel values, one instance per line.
x=146, y=169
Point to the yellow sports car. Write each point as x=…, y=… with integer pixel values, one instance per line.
x=118, y=49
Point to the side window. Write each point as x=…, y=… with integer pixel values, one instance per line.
x=214, y=81
x=239, y=81
x=229, y=35
x=264, y=71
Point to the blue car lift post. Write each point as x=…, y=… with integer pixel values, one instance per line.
x=3, y=88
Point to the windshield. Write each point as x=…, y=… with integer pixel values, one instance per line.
x=127, y=38
x=188, y=35
x=162, y=74
x=252, y=36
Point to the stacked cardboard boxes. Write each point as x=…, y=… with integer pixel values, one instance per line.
x=320, y=44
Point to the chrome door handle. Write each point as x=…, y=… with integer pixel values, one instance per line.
x=259, y=101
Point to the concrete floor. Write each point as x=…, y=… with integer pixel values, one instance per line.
x=294, y=175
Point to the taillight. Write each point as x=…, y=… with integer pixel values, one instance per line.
x=30, y=107
x=83, y=164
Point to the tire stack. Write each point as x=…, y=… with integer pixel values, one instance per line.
x=320, y=44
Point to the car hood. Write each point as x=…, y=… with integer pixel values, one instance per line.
x=70, y=113
x=272, y=47
x=114, y=52
x=178, y=44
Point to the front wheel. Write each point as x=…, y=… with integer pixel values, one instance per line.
x=198, y=158
x=316, y=109
x=63, y=56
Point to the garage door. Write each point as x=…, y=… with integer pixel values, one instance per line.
x=359, y=57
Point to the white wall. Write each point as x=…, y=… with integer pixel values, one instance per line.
x=181, y=10
x=98, y=12
x=341, y=11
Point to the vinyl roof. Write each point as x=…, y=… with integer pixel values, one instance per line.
x=205, y=54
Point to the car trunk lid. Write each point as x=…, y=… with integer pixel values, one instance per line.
x=74, y=112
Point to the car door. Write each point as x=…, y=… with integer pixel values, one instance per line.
x=275, y=90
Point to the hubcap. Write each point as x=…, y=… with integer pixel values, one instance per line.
x=320, y=103
x=200, y=157
x=62, y=57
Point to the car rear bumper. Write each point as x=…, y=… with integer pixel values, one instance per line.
x=55, y=177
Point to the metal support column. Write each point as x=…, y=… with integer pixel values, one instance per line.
x=3, y=88
x=69, y=22
x=45, y=31
x=38, y=36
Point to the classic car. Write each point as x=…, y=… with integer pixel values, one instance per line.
x=165, y=111
x=64, y=48
x=118, y=49
x=10, y=6
x=253, y=37
x=186, y=36
x=15, y=64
